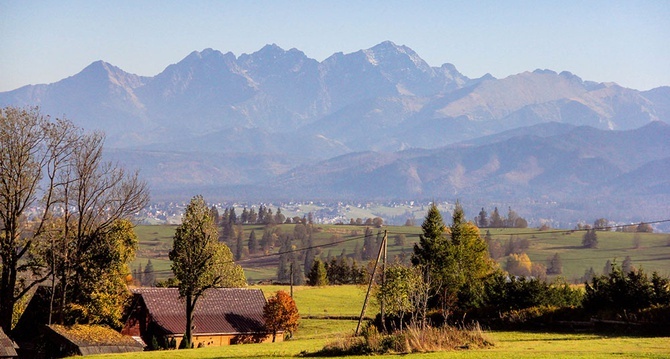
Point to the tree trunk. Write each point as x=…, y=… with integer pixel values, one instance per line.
x=188, y=334
x=7, y=297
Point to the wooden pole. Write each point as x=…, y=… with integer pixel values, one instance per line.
x=291, y=280
x=367, y=295
x=382, y=306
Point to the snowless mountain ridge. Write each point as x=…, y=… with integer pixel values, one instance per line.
x=375, y=123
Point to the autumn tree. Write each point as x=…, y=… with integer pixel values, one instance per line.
x=519, y=265
x=281, y=314
x=199, y=261
x=82, y=203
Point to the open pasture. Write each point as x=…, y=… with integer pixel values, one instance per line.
x=649, y=251
x=314, y=333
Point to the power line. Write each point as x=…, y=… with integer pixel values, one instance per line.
x=276, y=254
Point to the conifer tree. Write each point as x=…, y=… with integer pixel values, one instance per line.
x=318, y=276
x=253, y=242
x=148, y=277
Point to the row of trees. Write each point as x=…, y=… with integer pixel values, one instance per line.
x=63, y=219
x=263, y=216
x=452, y=272
x=602, y=224
x=513, y=220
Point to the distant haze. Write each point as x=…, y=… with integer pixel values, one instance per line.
x=619, y=41
x=376, y=124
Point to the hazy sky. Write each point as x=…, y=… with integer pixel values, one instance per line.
x=627, y=42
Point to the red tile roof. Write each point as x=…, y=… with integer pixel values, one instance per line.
x=217, y=311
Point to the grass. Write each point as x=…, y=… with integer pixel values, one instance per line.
x=315, y=333
x=652, y=254
x=327, y=302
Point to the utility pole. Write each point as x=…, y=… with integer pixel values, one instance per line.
x=372, y=278
x=382, y=304
x=291, y=280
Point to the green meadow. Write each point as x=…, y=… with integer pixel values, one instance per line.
x=650, y=251
x=323, y=328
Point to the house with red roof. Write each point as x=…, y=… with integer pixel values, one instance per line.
x=222, y=316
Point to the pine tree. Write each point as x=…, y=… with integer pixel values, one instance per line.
x=496, y=221
x=368, y=245
x=317, y=275
x=253, y=242
x=239, y=246
x=298, y=274
x=148, y=277
x=590, y=239
x=310, y=254
x=607, y=270
x=627, y=265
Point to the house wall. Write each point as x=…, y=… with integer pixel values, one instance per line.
x=214, y=340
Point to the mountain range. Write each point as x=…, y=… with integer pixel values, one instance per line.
x=375, y=124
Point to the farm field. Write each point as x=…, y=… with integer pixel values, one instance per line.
x=650, y=251
x=314, y=333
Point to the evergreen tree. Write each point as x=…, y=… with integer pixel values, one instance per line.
x=317, y=275
x=253, y=242
x=279, y=217
x=368, y=245
x=285, y=259
x=215, y=214
x=298, y=274
x=512, y=218
x=496, y=221
x=483, y=219
x=310, y=254
x=244, y=217
x=590, y=239
x=239, y=246
x=607, y=270
x=148, y=277
x=253, y=216
x=432, y=241
x=627, y=265
x=555, y=265
x=459, y=264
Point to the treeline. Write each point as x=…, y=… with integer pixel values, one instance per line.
x=513, y=220
x=263, y=216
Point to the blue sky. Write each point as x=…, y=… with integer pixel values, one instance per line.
x=627, y=42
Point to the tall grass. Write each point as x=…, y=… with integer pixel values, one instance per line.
x=413, y=339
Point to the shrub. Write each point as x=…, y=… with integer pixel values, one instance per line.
x=621, y=292
x=504, y=293
x=412, y=340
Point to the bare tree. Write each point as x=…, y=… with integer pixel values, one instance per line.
x=93, y=196
x=57, y=198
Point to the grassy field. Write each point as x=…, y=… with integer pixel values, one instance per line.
x=652, y=253
x=327, y=302
x=313, y=334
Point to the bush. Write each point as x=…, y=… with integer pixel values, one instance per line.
x=504, y=293
x=619, y=292
x=412, y=340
